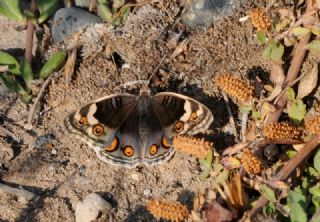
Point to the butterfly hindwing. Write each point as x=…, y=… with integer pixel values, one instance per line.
x=179, y=114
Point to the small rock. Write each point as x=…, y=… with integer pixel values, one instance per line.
x=82, y=170
x=206, y=12
x=51, y=169
x=135, y=176
x=147, y=192
x=68, y=21
x=54, y=152
x=88, y=209
x=43, y=140
x=22, y=200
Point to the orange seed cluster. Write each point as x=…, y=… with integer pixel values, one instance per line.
x=251, y=164
x=260, y=19
x=312, y=125
x=167, y=210
x=191, y=145
x=235, y=87
x=281, y=131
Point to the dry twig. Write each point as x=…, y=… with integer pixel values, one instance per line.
x=9, y=133
x=232, y=122
x=293, y=72
x=18, y=192
x=28, y=126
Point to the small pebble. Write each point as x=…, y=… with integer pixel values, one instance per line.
x=135, y=176
x=82, y=169
x=54, y=152
x=89, y=208
x=126, y=66
x=147, y=192
x=51, y=169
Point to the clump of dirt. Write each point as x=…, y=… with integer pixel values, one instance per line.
x=67, y=170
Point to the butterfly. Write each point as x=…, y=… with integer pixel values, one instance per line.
x=129, y=130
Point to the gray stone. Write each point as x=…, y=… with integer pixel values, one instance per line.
x=68, y=21
x=205, y=12
x=89, y=208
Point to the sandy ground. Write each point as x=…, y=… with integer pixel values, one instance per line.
x=64, y=170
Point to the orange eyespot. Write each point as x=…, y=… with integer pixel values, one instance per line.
x=153, y=149
x=114, y=145
x=98, y=130
x=83, y=121
x=178, y=126
x=128, y=151
x=165, y=143
x=193, y=116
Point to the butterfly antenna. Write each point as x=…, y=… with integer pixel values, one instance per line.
x=156, y=69
x=145, y=83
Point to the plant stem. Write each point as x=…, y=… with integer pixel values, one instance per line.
x=30, y=33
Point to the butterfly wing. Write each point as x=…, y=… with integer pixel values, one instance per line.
x=179, y=114
x=103, y=123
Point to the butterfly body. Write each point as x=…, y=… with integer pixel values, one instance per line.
x=129, y=130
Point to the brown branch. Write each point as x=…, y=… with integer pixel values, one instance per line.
x=9, y=133
x=296, y=63
x=293, y=72
x=288, y=168
x=30, y=33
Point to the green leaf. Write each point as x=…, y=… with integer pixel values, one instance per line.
x=117, y=4
x=26, y=71
x=7, y=59
x=104, y=12
x=297, y=213
x=206, y=164
x=222, y=177
x=262, y=37
x=55, y=62
x=291, y=153
x=268, y=193
x=297, y=111
x=12, y=84
x=316, y=161
x=300, y=31
x=296, y=196
x=269, y=209
x=314, y=46
x=315, y=191
x=312, y=172
x=291, y=94
x=245, y=109
x=11, y=9
x=296, y=201
x=29, y=15
x=316, y=31
x=256, y=114
x=267, y=52
x=46, y=8
x=277, y=52
x=282, y=24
